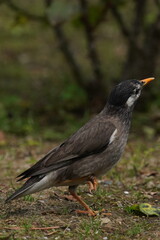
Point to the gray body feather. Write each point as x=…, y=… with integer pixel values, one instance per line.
x=91, y=151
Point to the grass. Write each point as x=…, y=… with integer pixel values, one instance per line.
x=47, y=215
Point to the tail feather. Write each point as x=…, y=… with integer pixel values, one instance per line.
x=24, y=190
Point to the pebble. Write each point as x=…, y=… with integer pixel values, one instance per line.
x=126, y=192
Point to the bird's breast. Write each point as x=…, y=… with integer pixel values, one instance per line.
x=111, y=155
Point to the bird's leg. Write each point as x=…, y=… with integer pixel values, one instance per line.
x=91, y=187
x=92, y=183
x=72, y=190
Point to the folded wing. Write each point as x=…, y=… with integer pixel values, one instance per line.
x=91, y=139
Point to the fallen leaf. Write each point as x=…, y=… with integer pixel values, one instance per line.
x=105, y=220
x=149, y=210
x=144, y=208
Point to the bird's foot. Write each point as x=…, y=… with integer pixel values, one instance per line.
x=88, y=212
x=105, y=212
x=92, y=184
x=92, y=213
x=91, y=187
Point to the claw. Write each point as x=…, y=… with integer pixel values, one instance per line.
x=91, y=187
x=93, y=183
x=89, y=212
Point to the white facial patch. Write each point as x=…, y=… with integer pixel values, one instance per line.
x=113, y=136
x=131, y=100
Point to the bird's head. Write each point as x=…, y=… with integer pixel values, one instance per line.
x=127, y=92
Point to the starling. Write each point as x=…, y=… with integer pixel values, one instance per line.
x=90, y=152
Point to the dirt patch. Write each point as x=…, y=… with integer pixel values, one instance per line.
x=49, y=215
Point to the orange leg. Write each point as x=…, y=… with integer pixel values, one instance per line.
x=90, y=212
x=91, y=187
x=93, y=183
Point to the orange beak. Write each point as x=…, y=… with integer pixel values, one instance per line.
x=147, y=80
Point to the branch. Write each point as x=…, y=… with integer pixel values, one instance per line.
x=48, y=2
x=56, y=27
x=157, y=2
x=153, y=30
x=93, y=55
x=65, y=47
x=124, y=30
x=2, y=1
x=67, y=53
x=33, y=17
x=22, y=11
x=102, y=15
x=140, y=7
x=120, y=21
x=151, y=44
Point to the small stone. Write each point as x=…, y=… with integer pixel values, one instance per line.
x=68, y=229
x=105, y=238
x=126, y=192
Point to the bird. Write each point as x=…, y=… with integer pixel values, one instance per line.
x=88, y=153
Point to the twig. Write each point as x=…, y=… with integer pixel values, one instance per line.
x=32, y=228
x=44, y=228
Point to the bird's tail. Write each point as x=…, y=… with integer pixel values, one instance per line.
x=28, y=188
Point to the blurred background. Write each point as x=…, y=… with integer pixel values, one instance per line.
x=59, y=59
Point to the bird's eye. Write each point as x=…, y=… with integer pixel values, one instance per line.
x=136, y=91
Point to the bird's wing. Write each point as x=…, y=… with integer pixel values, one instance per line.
x=91, y=139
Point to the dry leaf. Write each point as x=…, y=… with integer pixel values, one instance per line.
x=105, y=220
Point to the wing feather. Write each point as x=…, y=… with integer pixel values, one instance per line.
x=92, y=138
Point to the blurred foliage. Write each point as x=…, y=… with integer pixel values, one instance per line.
x=59, y=60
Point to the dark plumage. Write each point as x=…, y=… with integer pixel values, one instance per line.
x=91, y=151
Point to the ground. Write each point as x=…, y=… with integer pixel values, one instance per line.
x=50, y=215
